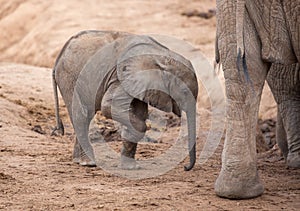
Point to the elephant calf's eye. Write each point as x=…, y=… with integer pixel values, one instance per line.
x=186, y=91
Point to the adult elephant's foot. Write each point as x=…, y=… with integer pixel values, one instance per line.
x=232, y=187
x=293, y=160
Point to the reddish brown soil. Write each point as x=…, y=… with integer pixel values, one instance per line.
x=36, y=169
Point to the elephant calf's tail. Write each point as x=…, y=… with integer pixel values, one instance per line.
x=59, y=125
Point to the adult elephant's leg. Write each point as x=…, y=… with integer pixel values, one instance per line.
x=281, y=138
x=284, y=81
x=239, y=176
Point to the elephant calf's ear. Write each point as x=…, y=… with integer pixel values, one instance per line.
x=137, y=81
x=146, y=85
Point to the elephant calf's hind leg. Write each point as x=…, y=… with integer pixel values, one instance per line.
x=80, y=157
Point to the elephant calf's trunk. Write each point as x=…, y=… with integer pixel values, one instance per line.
x=192, y=159
x=191, y=120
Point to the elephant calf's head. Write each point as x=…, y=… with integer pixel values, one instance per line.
x=162, y=78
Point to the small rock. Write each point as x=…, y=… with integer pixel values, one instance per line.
x=149, y=139
x=206, y=15
x=38, y=129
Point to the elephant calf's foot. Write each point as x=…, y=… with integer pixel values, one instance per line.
x=127, y=156
x=229, y=186
x=128, y=163
x=293, y=160
x=84, y=161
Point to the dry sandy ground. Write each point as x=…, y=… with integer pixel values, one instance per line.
x=36, y=171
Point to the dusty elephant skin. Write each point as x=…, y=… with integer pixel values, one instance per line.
x=130, y=72
x=257, y=41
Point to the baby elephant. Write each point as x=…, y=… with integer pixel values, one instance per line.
x=120, y=74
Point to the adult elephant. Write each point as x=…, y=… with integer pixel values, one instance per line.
x=120, y=74
x=257, y=40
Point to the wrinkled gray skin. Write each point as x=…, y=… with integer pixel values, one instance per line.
x=118, y=57
x=257, y=40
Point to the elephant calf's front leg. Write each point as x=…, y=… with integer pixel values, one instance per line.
x=133, y=133
x=131, y=113
x=128, y=155
x=130, y=140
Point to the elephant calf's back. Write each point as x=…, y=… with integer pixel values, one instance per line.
x=75, y=54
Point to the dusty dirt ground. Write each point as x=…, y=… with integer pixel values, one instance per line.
x=36, y=169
